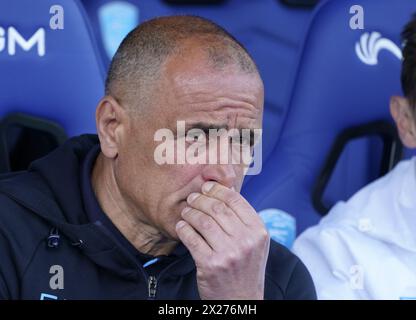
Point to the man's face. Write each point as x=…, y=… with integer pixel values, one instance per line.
x=189, y=90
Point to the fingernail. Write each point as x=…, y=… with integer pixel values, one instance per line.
x=192, y=197
x=185, y=210
x=207, y=186
x=180, y=224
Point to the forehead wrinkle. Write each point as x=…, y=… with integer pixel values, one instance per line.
x=208, y=101
x=223, y=114
x=197, y=83
x=230, y=120
x=199, y=89
x=195, y=91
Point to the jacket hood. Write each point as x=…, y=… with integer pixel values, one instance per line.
x=51, y=188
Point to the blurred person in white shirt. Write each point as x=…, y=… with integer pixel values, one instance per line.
x=365, y=248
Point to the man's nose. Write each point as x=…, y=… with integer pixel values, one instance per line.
x=224, y=174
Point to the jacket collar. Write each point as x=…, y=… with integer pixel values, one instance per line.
x=33, y=191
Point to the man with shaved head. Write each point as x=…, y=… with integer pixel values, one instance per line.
x=102, y=217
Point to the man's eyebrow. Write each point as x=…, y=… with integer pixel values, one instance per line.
x=204, y=126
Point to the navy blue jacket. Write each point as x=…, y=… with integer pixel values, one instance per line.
x=44, y=229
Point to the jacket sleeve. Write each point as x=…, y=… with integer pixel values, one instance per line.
x=300, y=286
x=8, y=272
x=3, y=289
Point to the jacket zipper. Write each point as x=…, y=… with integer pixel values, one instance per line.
x=152, y=280
x=152, y=286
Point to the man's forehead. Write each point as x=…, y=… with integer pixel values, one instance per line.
x=208, y=81
x=193, y=71
x=194, y=92
x=233, y=92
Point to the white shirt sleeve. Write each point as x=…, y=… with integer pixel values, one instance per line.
x=329, y=257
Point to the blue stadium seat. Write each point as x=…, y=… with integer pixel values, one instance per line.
x=112, y=20
x=49, y=72
x=338, y=120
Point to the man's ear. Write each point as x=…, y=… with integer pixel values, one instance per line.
x=108, y=117
x=402, y=114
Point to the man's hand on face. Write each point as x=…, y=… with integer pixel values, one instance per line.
x=228, y=242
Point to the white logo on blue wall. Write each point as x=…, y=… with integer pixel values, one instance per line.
x=116, y=20
x=371, y=44
x=281, y=226
x=12, y=39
